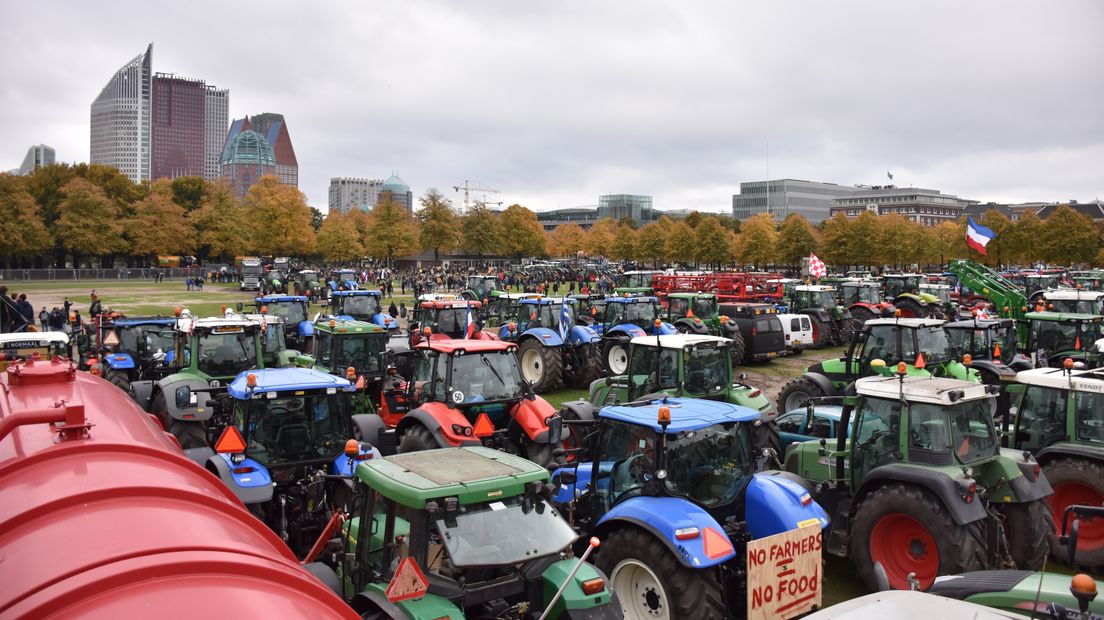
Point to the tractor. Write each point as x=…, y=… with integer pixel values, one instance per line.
x=452, y=319
x=471, y=392
x=309, y=284
x=906, y=292
x=125, y=350
x=832, y=323
x=463, y=533
x=1075, y=300
x=1057, y=414
x=344, y=280
x=273, y=282
x=287, y=433
x=274, y=349
x=206, y=356
x=361, y=305
x=864, y=299
x=673, y=489
x=481, y=288
x=27, y=345
x=699, y=313
x=922, y=344
x=621, y=320
x=921, y=485
x=991, y=347
x=295, y=312
x=357, y=351
x=553, y=350
x=1053, y=337
x=636, y=282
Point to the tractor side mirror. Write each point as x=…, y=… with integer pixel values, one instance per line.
x=184, y=397
x=567, y=477
x=823, y=450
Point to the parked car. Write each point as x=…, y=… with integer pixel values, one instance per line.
x=795, y=425
x=797, y=331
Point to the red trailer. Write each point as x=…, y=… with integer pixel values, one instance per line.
x=728, y=286
x=102, y=516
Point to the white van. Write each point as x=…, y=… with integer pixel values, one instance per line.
x=798, y=331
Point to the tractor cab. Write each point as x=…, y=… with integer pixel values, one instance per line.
x=832, y=323
x=547, y=312
x=28, y=345
x=626, y=311
x=131, y=348
x=274, y=282
x=498, y=310
x=482, y=287
x=1052, y=337
x=691, y=305
x=453, y=319
x=294, y=311
x=859, y=291
x=1038, y=283
x=1075, y=301
x=341, y=344
x=636, y=282
x=361, y=305
x=897, y=284
x=1092, y=280
x=308, y=283
x=344, y=280
x=590, y=307
x=274, y=339
x=987, y=346
x=477, y=533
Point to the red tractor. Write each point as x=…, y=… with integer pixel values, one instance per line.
x=470, y=393
x=447, y=319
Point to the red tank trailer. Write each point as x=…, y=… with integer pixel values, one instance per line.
x=102, y=516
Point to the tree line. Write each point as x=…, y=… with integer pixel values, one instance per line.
x=85, y=212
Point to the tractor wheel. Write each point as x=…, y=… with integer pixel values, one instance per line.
x=591, y=369
x=160, y=408
x=650, y=582
x=1077, y=482
x=120, y=379
x=739, y=346
x=417, y=438
x=797, y=392
x=540, y=365
x=910, y=308
x=822, y=332
x=541, y=453
x=1029, y=527
x=862, y=314
x=615, y=355
x=910, y=531
x=189, y=434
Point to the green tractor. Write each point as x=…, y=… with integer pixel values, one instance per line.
x=636, y=282
x=463, y=533
x=355, y=350
x=912, y=298
x=832, y=324
x=1053, y=337
x=699, y=313
x=920, y=484
x=481, y=288
x=921, y=344
x=309, y=284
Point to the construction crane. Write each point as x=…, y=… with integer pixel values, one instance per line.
x=468, y=187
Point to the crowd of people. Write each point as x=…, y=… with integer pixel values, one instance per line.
x=17, y=314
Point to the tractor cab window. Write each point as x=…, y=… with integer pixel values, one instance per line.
x=932, y=342
x=1053, y=336
x=274, y=337
x=791, y=422
x=359, y=351
x=360, y=306
x=291, y=429
x=429, y=375
x=881, y=343
x=501, y=534
x=550, y=314
x=226, y=354
x=293, y=313
x=1088, y=408
x=677, y=307
x=145, y=341
x=643, y=370
x=825, y=299
x=706, y=370
x=1041, y=417
x=323, y=345
x=877, y=435
x=972, y=434
x=450, y=321
x=869, y=294
x=628, y=449
x=641, y=314
x=710, y=466
x=485, y=377
x=704, y=308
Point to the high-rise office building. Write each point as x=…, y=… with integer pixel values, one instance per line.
x=274, y=128
x=120, y=132
x=177, y=137
x=216, y=103
x=347, y=193
x=782, y=197
x=38, y=156
x=247, y=157
x=619, y=206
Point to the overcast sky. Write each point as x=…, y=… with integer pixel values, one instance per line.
x=554, y=103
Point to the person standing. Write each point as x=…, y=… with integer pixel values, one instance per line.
x=27, y=311
x=95, y=308
x=44, y=319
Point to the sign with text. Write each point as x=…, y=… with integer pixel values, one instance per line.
x=784, y=573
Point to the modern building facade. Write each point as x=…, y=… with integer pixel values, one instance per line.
x=178, y=128
x=585, y=217
x=247, y=157
x=781, y=197
x=397, y=191
x=928, y=207
x=216, y=103
x=120, y=130
x=348, y=193
x=620, y=206
x=37, y=156
x=274, y=128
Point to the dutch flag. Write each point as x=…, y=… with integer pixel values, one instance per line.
x=978, y=236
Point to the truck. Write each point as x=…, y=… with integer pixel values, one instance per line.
x=251, y=274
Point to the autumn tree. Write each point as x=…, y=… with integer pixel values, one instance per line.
x=949, y=238
x=650, y=241
x=566, y=240
x=88, y=223
x=1067, y=238
x=1024, y=243
x=713, y=242
x=441, y=228
x=758, y=240
x=796, y=239
x=157, y=225
x=338, y=238
x=188, y=192
x=392, y=231
x=220, y=224
x=522, y=233
x=624, y=243
x=481, y=230
x=22, y=229
x=999, y=249
x=599, y=239
x=280, y=219
x=678, y=246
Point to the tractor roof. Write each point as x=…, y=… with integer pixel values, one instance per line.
x=348, y=327
x=32, y=339
x=1063, y=316
x=687, y=414
x=1073, y=294
x=450, y=346
x=240, y=321
x=922, y=389
x=441, y=304
x=516, y=296
x=676, y=341
x=907, y=322
x=272, y=380
x=438, y=297
x=357, y=293
x=691, y=296
x=632, y=300
x=860, y=284
x=934, y=286
x=1078, y=380
x=270, y=299
x=978, y=324
x=306, y=271
x=267, y=318
x=816, y=288
x=546, y=301
x=471, y=474
x=152, y=320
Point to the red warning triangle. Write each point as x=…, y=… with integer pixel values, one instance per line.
x=409, y=582
x=715, y=544
x=483, y=426
x=111, y=339
x=920, y=363
x=230, y=442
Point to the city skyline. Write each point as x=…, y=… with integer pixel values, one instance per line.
x=679, y=102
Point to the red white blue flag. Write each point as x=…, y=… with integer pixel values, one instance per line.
x=978, y=236
x=469, y=324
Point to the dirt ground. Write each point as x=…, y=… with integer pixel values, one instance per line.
x=771, y=376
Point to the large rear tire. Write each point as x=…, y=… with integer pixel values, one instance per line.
x=1029, y=527
x=1077, y=482
x=862, y=314
x=189, y=434
x=797, y=392
x=590, y=369
x=540, y=365
x=651, y=583
x=541, y=453
x=417, y=438
x=120, y=379
x=615, y=355
x=822, y=332
x=908, y=530
x=910, y=308
x=739, y=346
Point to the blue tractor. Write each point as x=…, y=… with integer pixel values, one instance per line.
x=621, y=320
x=287, y=440
x=673, y=490
x=552, y=348
x=131, y=349
x=294, y=310
x=344, y=280
x=349, y=305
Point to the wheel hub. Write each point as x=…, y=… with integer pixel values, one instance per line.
x=651, y=599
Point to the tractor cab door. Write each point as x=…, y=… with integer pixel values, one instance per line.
x=881, y=342
x=648, y=377
x=875, y=440
x=624, y=462
x=676, y=308
x=1041, y=417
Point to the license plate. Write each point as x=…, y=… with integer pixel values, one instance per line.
x=796, y=341
x=772, y=353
